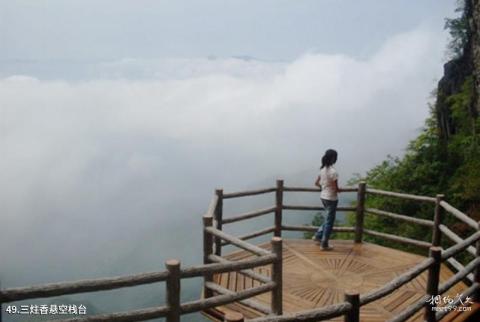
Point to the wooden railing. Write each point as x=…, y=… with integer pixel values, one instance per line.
x=214, y=239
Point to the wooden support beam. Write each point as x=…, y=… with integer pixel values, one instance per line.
x=437, y=221
x=218, y=220
x=277, y=277
x=207, y=251
x=433, y=280
x=279, y=207
x=1, y=304
x=173, y=290
x=352, y=297
x=360, y=212
x=212, y=206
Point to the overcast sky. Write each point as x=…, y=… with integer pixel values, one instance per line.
x=85, y=30
x=119, y=118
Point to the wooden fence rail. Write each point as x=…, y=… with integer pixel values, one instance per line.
x=324, y=313
x=255, y=234
x=423, y=222
x=393, y=285
x=469, y=292
x=455, y=238
x=315, y=208
x=248, y=193
x=237, y=242
x=214, y=239
x=400, y=195
x=315, y=189
x=460, y=215
x=133, y=315
x=400, y=239
x=249, y=215
x=249, y=303
x=247, y=272
x=314, y=228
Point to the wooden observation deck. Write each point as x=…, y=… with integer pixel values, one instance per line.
x=292, y=280
x=314, y=279
x=357, y=281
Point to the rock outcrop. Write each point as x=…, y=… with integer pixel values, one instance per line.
x=456, y=72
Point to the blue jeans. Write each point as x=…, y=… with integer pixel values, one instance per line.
x=324, y=231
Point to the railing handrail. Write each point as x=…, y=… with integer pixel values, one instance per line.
x=316, y=189
x=400, y=195
x=460, y=215
x=248, y=215
x=396, y=282
x=248, y=193
x=104, y=284
x=424, y=222
x=237, y=242
x=317, y=208
x=326, y=312
x=215, y=264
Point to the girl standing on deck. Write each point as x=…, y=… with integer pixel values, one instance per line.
x=327, y=180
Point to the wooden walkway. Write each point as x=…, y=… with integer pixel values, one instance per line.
x=313, y=278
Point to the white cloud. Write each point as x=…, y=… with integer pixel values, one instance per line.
x=95, y=154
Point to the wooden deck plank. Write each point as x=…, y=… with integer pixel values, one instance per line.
x=313, y=278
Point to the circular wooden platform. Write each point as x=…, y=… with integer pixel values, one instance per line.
x=313, y=278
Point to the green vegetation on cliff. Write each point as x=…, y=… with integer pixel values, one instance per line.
x=445, y=157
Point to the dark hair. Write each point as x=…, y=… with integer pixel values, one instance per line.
x=329, y=158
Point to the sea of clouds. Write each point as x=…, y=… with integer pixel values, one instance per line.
x=108, y=167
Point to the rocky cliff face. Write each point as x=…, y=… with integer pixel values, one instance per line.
x=457, y=71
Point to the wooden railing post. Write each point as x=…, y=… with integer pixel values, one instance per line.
x=207, y=251
x=476, y=272
x=432, y=283
x=437, y=220
x=218, y=213
x=173, y=290
x=352, y=297
x=234, y=317
x=277, y=277
x=360, y=211
x=1, y=305
x=279, y=208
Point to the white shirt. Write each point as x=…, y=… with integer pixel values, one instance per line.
x=328, y=176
